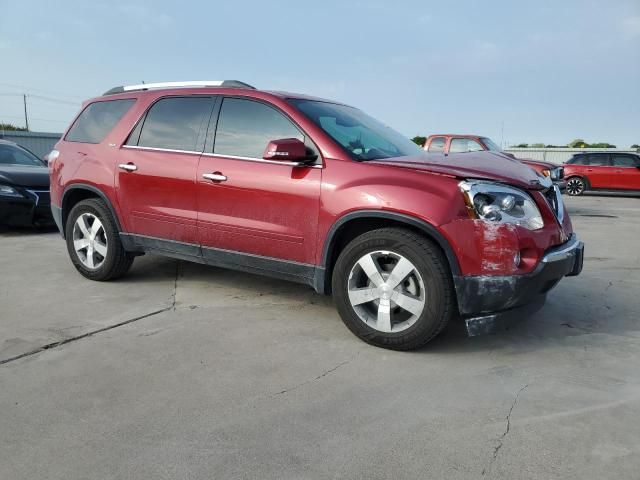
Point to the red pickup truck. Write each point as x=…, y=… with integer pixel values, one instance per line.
x=453, y=143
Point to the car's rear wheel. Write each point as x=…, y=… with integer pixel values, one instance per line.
x=393, y=288
x=576, y=186
x=93, y=242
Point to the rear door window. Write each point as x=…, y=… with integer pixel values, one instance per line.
x=175, y=123
x=624, y=160
x=437, y=144
x=97, y=120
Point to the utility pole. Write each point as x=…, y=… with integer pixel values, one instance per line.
x=26, y=117
x=502, y=134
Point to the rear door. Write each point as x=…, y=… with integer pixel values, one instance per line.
x=156, y=173
x=625, y=171
x=437, y=144
x=257, y=207
x=598, y=170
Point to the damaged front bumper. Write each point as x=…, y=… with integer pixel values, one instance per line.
x=485, y=301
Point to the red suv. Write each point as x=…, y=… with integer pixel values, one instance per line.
x=312, y=191
x=602, y=171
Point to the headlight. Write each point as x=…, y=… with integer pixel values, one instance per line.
x=494, y=202
x=7, y=191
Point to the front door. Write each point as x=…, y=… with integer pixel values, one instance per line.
x=251, y=206
x=157, y=167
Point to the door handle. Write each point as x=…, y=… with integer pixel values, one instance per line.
x=129, y=167
x=216, y=177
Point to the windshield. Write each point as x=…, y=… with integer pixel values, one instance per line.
x=363, y=137
x=12, y=155
x=490, y=145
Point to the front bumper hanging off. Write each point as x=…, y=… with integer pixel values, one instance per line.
x=486, y=301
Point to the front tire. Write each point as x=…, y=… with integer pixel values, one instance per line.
x=393, y=288
x=576, y=186
x=93, y=242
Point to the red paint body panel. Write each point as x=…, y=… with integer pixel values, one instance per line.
x=159, y=198
x=262, y=209
x=286, y=212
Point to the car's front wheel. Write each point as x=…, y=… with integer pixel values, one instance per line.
x=93, y=242
x=576, y=186
x=393, y=288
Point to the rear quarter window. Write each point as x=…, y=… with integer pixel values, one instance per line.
x=97, y=120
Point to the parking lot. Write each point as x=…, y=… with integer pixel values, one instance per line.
x=185, y=371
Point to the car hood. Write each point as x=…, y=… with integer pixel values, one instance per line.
x=479, y=165
x=540, y=163
x=24, y=176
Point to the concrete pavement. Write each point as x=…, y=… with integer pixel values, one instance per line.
x=230, y=375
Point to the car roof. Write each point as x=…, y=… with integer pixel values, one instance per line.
x=223, y=87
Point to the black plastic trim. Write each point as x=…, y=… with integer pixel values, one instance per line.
x=90, y=188
x=425, y=227
x=246, y=262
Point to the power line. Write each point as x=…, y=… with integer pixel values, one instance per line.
x=34, y=118
x=41, y=97
x=58, y=94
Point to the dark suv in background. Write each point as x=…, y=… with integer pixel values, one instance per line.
x=602, y=171
x=312, y=191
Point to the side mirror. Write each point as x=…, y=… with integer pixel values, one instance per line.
x=286, y=150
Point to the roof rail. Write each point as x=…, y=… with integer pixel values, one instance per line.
x=189, y=84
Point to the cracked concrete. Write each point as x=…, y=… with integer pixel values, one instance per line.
x=506, y=431
x=323, y=374
x=184, y=371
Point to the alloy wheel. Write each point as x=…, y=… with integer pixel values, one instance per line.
x=90, y=241
x=386, y=291
x=575, y=186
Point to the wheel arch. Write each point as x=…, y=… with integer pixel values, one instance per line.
x=353, y=224
x=80, y=191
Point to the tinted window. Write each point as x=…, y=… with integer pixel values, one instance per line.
x=175, y=123
x=361, y=136
x=437, y=144
x=246, y=127
x=97, y=120
x=598, y=159
x=10, y=155
x=578, y=160
x=624, y=161
x=460, y=145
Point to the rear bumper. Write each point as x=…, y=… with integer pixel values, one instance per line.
x=481, y=296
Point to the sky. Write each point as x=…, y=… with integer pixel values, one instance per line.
x=517, y=71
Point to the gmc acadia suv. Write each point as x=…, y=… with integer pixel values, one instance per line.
x=312, y=191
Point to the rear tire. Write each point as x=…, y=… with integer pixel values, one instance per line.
x=93, y=242
x=393, y=288
x=576, y=186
